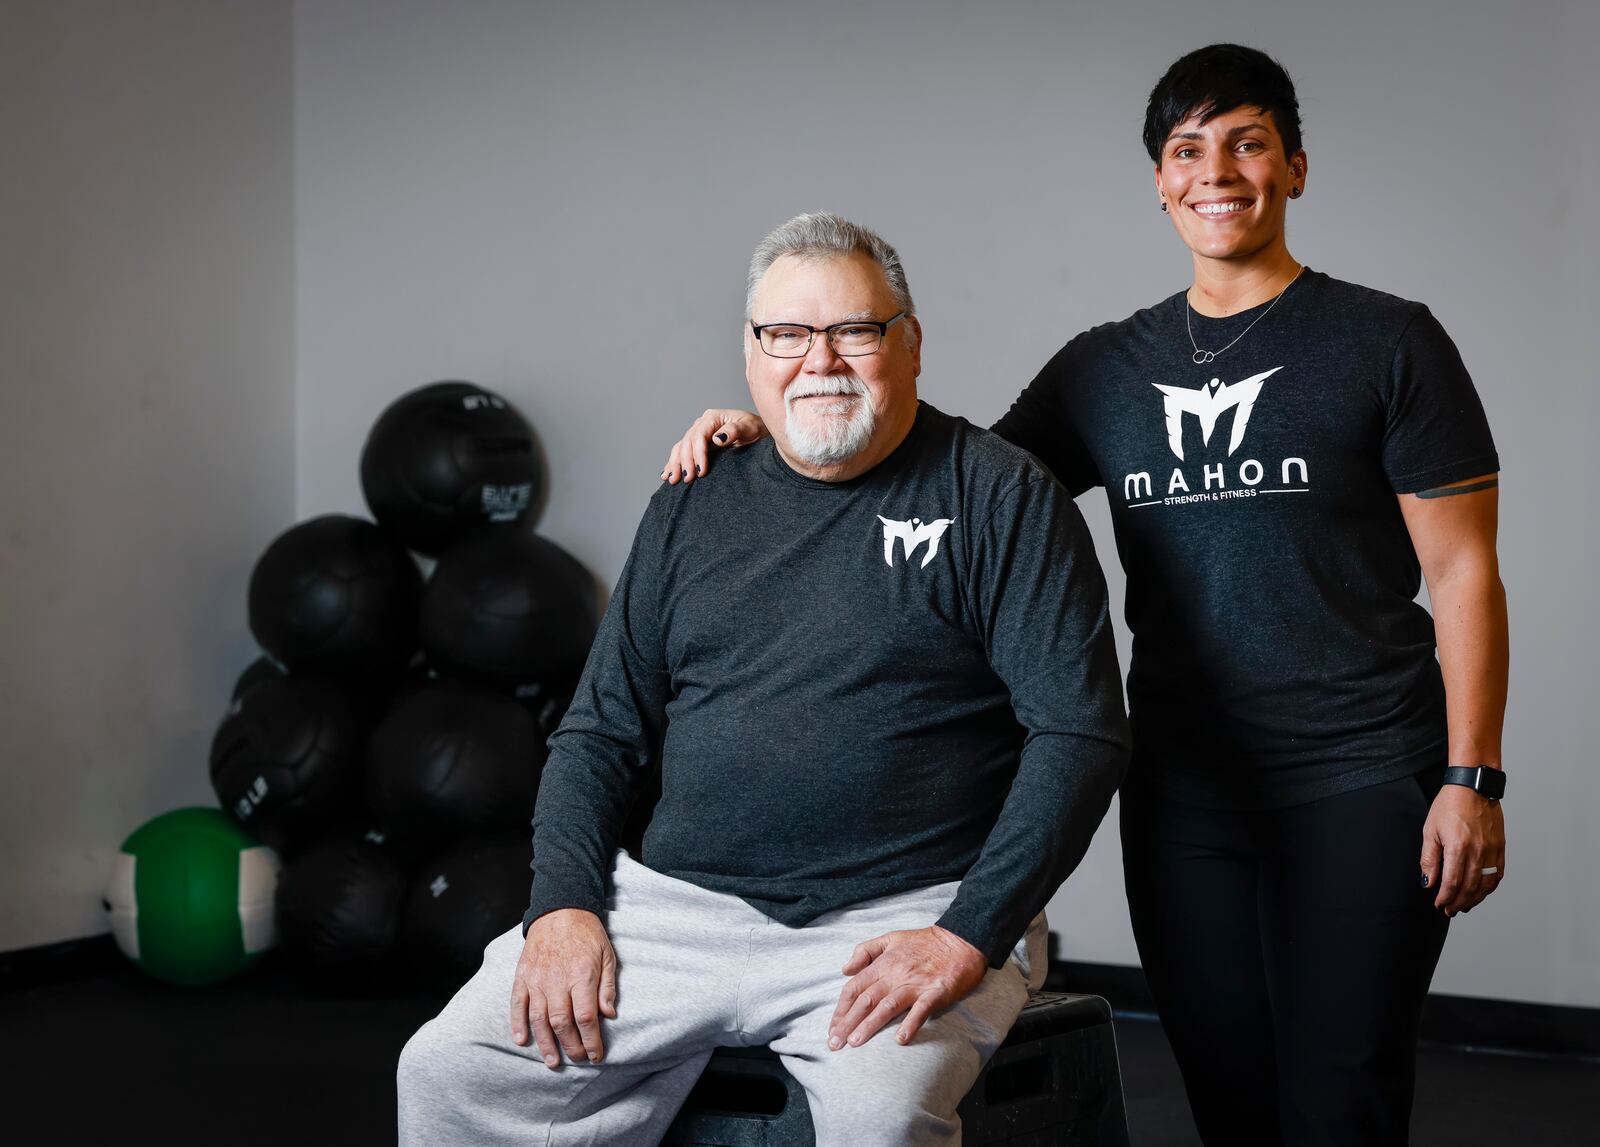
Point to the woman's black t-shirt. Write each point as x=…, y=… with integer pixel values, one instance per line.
x=1279, y=654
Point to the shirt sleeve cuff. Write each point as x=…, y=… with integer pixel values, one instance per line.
x=1443, y=475
x=995, y=951
x=543, y=901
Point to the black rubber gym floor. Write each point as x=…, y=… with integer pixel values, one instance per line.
x=115, y=1058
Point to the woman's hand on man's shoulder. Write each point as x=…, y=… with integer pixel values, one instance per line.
x=690, y=456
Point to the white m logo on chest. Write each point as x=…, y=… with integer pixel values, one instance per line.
x=1208, y=404
x=912, y=534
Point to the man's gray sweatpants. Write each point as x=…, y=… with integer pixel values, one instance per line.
x=698, y=970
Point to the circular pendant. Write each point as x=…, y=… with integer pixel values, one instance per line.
x=1201, y=357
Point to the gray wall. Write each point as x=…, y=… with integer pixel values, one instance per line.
x=558, y=202
x=146, y=431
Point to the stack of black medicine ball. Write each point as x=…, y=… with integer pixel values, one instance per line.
x=389, y=744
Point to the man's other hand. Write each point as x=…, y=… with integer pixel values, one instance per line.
x=911, y=973
x=566, y=980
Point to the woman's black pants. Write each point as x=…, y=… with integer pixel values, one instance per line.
x=1289, y=952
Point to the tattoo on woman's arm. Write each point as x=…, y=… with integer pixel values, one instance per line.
x=1469, y=488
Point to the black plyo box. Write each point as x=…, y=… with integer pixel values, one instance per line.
x=1053, y=1081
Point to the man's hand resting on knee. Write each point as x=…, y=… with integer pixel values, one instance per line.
x=914, y=972
x=566, y=980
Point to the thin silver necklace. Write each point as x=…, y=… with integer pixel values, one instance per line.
x=1201, y=357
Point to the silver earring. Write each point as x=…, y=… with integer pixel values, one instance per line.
x=1294, y=193
x=1163, y=207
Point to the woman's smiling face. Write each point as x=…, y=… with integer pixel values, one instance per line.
x=1226, y=183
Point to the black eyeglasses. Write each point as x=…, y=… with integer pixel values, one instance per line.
x=793, y=340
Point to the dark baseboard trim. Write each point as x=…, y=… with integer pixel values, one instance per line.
x=48, y=964
x=1511, y=1026
x=1466, y=1022
x=1463, y=1022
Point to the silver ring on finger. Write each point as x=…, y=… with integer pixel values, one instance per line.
x=1488, y=871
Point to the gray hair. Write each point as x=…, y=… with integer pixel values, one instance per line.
x=822, y=235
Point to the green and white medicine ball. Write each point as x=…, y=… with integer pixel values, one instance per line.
x=191, y=897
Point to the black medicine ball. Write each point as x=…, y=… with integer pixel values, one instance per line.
x=336, y=595
x=338, y=913
x=509, y=609
x=286, y=762
x=259, y=670
x=548, y=701
x=454, y=760
x=461, y=901
x=415, y=677
x=447, y=458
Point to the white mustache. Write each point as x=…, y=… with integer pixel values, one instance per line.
x=832, y=384
x=826, y=433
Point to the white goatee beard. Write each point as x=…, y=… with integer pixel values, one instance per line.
x=825, y=434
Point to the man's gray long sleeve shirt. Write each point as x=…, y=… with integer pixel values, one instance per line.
x=853, y=689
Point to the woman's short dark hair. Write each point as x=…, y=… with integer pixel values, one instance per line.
x=1213, y=81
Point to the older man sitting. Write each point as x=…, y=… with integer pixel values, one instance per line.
x=872, y=658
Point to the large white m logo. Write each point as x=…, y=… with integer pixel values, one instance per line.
x=912, y=534
x=1207, y=404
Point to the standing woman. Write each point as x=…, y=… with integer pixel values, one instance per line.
x=1313, y=794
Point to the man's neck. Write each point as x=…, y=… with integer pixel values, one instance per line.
x=884, y=443
x=1224, y=287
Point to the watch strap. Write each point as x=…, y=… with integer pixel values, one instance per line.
x=1481, y=779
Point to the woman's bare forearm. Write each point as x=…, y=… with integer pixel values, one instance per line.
x=1472, y=630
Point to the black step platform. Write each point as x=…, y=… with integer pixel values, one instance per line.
x=1053, y=1081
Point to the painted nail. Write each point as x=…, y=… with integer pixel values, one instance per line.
x=720, y=438
x=700, y=470
x=1424, y=879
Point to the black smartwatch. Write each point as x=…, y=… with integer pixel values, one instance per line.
x=1481, y=779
